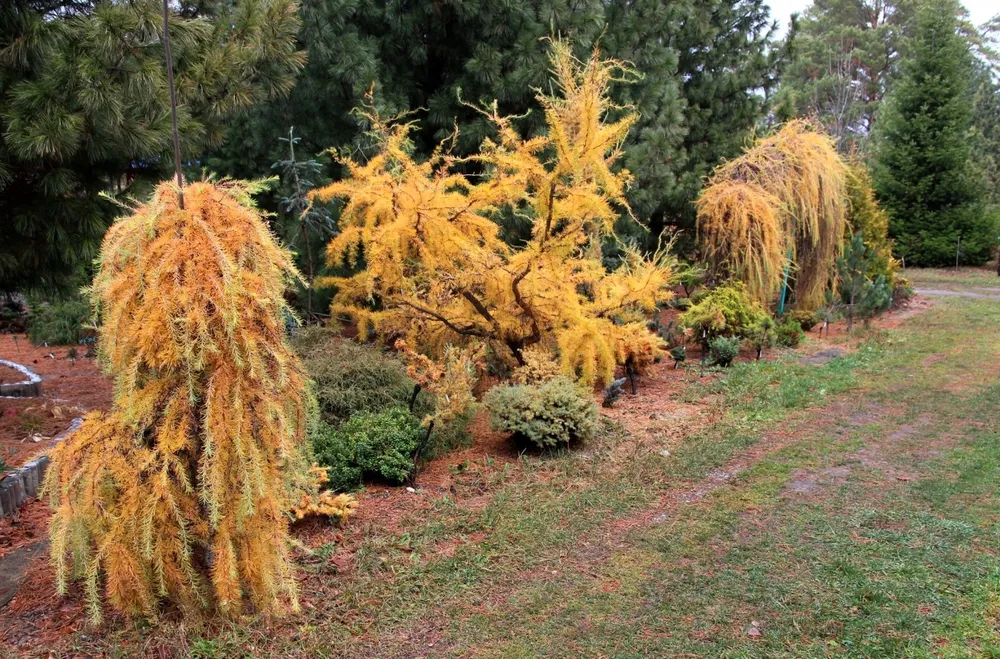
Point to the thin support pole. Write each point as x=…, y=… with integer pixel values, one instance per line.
x=173, y=104
x=784, y=284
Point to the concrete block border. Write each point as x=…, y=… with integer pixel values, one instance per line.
x=23, y=483
x=30, y=387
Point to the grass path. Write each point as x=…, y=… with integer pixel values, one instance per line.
x=866, y=526
x=842, y=509
x=845, y=509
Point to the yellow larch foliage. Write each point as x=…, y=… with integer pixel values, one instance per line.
x=538, y=367
x=785, y=195
x=325, y=503
x=180, y=491
x=437, y=272
x=450, y=378
x=638, y=348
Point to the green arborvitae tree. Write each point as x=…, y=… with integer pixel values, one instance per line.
x=84, y=110
x=924, y=174
x=846, y=52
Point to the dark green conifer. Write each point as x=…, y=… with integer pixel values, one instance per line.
x=924, y=174
x=84, y=110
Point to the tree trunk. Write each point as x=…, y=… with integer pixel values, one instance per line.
x=420, y=449
x=413, y=397
x=311, y=275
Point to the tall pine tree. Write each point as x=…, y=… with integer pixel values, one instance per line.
x=729, y=65
x=84, y=110
x=986, y=124
x=429, y=57
x=846, y=52
x=924, y=173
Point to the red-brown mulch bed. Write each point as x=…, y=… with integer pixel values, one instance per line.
x=70, y=388
x=10, y=375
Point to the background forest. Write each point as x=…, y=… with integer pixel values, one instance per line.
x=266, y=87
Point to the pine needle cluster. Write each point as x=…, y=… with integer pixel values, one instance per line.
x=180, y=491
x=85, y=107
x=784, y=198
x=436, y=269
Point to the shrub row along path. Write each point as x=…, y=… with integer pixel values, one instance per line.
x=798, y=507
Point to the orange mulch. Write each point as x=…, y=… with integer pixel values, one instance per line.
x=10, y=375
x=70, y=388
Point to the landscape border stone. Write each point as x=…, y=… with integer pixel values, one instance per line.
x=30, y=387
x=23, y=483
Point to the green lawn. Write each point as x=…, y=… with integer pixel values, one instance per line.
x=847, y=509
x=961, y=278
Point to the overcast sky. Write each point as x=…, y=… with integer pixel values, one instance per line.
x=980, y=10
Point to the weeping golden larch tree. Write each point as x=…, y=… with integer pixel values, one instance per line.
x=436, y=270
x=782, y=203
x=182, y=490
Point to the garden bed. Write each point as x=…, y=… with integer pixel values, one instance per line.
x=18, y=381
x=70, y=388
x=669, y=408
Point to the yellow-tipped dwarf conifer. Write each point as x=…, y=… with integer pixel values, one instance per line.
x=181, y=490
x=436, y=269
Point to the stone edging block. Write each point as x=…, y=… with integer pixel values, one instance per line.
x=30, y=387
x=25, y=482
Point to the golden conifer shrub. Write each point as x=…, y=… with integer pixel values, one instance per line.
x=181, y=490
x=434, y=258
x=785, y=195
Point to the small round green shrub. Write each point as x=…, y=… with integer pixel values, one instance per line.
x=724, y=349
x=554, y=412
x=350, y=377
x=788, y=333
x=369, y=444
x=678, y=354
x=902, y=291
x=726, y=310
x=806, y=319
x=761, y=336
